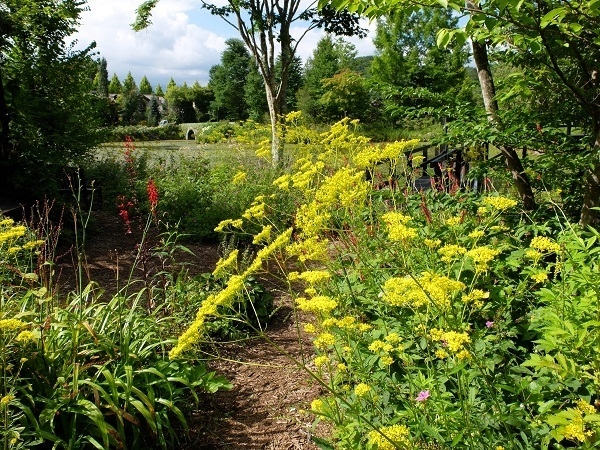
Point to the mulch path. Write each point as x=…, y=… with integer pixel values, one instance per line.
x=266, y=407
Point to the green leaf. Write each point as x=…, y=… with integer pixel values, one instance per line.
x=322, y=443
x=554, y=16
x=443, y=37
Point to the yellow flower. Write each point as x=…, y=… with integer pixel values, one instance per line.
x=314, y=276
x=380, y=346
x=432, y=243
x=395, y=433
x=441, y=354
x=544, y=245
x=223, y=265
x=317, y=405
x=264, y=235
x=476, y=234
x=25, y=337
x=4, y=401
x=453, y=221
x=386, y=360
x=539, y=277
x=324, y=340
x=11, y=324
x=450, y=252
x=318, y=304
x=481, y=256
x=393, y=338
x=321, y=360
x=342, y=367
x=500, y=203
x=396, y=226
x=239, y=177
x=310, y=328
x=362, y=389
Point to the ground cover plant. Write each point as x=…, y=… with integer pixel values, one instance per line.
x=87, y=371
x=445, y=319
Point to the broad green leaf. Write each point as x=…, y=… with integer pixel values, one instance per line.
x=554, y=16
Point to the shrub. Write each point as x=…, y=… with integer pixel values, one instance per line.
x=88, y=373
x=143, y=133
x=439, y=320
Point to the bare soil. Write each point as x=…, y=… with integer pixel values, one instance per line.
x=266, y=407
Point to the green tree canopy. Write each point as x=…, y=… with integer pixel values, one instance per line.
x=228, y=80
x=329, y=57
x=47, y=111
x=102, y=78
x=145, y=86
x=114, y=87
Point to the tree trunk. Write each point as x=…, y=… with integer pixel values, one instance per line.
x=488, y=91
x=275, y=116
x=591, y=198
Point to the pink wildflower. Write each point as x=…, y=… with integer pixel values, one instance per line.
x=423, y=395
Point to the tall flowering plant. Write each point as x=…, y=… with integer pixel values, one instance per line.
x=422, y=305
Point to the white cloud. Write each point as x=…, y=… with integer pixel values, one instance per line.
x=173, y=46
x=183, y=42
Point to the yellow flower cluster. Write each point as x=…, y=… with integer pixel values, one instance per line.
x=311, y=277
x=476, y=234
x=26, y=337
x=347, y=323
x=475, y=296
x=32, y=244
x=311, y=249
x=321, y=360
x=12, y=233
x=319, y=304
x=396, y=226
x=454, y=221
x=256, y=211
x=432, y=243
x=450, y=252
x=576, y=430
x=264, y=235
x=4, y=401
x=233, y=288
x=540, y=277
x=481, y=256
x=239, y=177
x=500, y=203
x=324, y=340
x=393, y=151
x=380, y=346
x=229, y=223
x=223, y=265
x=7, y=325
x=544, y=245
x=362, y=389
x=415, y=293
x=452, y=340
x=395, y=433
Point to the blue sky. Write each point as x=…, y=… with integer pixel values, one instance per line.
x=183, y=42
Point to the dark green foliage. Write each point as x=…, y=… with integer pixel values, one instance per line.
x=153, y=116
x=145, y=86
x=411, y=72
x=227, y=81
x=145, y=133
x=102, y=78
x=114, y=87
x=201, y=98
x=48, y=114
x=254, y=94
x=329, y=58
